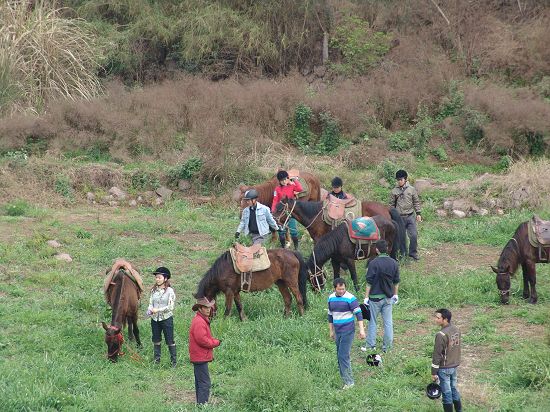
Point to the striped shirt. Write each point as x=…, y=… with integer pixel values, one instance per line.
x=341, y=311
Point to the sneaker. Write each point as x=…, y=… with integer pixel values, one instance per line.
x=347, y=386
x=365, y=349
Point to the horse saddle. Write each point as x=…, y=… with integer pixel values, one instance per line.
x=336, y=210
x=363, y=229
x=541, y=230
x=249, y=259
x=295, y=175
x=129, y=271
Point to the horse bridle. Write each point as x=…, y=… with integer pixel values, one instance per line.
x=314, y=276
x=116, y=337
x=289, y=215
x=505, y=292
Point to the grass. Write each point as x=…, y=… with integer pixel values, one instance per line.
x=53, y=355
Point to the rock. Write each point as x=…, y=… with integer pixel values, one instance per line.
x=441, y=212
x=158, y=201
x=164, y=193
x=520, y=196
x=499, y=211
x=90, y=197
x=490, y=203
x=64, y=256
x=53, y=243
x=448, y=204
x=458, y=213
x=113, y=203
x=117, y=193
x=482, y=212
x=203, y=199
x=184, y=185
x=132, y=203
x=463, y=204
x=422, y=185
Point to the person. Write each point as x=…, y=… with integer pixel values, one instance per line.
x=161, y=307
x=337, y=188
x=381, y=295
x=342, y=308
x=446, y=359
x=256, y=219
x=405, y=199
x=201, y=345
x=287, y=188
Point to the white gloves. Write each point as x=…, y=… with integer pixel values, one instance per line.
x=395, y=299
x=366, y=301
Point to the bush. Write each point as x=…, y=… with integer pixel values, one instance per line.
x=452, y=104
x=440, y=154
x=330, y=138
x=140, y=180
x=472, y=127
x=16, y=208
x=187, y=170
x=387, y=169
x=300, y=127
x=63, y=186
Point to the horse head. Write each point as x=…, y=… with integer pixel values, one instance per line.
x=503, y=282
x=114, y=340
x=238, y=195
x=283, y=210
x=317, y=278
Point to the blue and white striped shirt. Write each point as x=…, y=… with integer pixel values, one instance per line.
x=341, y=310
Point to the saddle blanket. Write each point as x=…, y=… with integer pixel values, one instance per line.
x=363, y=228
x=249, y=259
x=130, y=272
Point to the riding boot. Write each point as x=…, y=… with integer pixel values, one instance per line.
x=282, y=239
x=173, y=357
x=458, y=406
x=447, y=407
x=295, y=241
x=156, y=353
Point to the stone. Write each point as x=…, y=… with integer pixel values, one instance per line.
x=184, y=185
x=421, y=185
x=90, y=197
x=448, y=204
x=458, y=213
x=164, y=193
x=64, y=257
x=499, y=211
x=463, y=204
x=482, y=212
x=132, y=203
x=117, y=193
x=441, y=212
x=113, y=203
x=158, y=201
x=53, y=243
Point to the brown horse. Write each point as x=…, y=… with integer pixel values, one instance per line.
x=310, y=215
x=287, y=271
x=124, y=298
x=519, y=251
x=337, y=245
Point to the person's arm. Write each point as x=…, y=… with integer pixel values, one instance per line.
x=438, y=353
x=204, y=339
x=356, y=310
x=393, y=200
x=244, y=219
x=270, y=220
x=150, y=307
x=416, y=205
x=330, y=322
x=367, y=292
x=276, y=199
x=297, y=186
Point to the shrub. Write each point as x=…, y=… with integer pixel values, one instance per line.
x=187, y=170
x=300, y=127
x=453, y=103
x=543, y=87
x=440, y=154
x=472, y=127
x=63, y=186
x=387, y=169
x=399, y=141
x=140, y=180
x=374, y=129
x=330, y=138
x=16, y=208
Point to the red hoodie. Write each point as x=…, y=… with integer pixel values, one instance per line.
x=201, y=342
x=285, y=191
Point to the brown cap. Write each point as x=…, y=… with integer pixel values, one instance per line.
x=203, y=302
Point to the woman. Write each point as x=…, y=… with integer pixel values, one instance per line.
x=201, y=345
x=287, y=188
x=161, y=306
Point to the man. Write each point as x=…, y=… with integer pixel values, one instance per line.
x=342, y=308
x=445, y=360
x=337, y=188
x=404, y=198
x=381, y=295
x=287, y=188
x=256, y=219
x=201, y=345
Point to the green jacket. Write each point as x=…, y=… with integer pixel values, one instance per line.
x=405, y=199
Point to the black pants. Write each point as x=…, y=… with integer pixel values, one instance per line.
x=202, y=382
x=165, y=326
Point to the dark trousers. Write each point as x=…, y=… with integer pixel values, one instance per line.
x=165, y=326
x=202, y=382
x=410, y=227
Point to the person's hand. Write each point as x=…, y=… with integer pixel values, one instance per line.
x=435, y=378
x=154, y=310
x=362, y=334
x=395, y=299
x=366, y=301
x=331, y=334
x=237, y=234
x=418, y=218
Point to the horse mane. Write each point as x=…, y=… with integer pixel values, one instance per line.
x=212, y=274
x=510, y=256
x=310, y=208
x=119, y=284
x=326, y=245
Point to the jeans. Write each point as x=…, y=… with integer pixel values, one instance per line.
x=384, y=307
x=166, y=326
x=410, y=227
x=257, y=238
x=292, y=226
x=202, y=382
x=343, y=349
x=447, y=381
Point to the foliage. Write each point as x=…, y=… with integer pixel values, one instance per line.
x=187, y=170
x=330, y=138
x=452, y=104
x=543, y=87
x=300, y=127
x=44, y=55
x=415, y=138
x=386, y=170
x=440, y=154
x=16, y=208
x=374, y=129
x=361, y=47
x=505, y=162
x=142, y=180
x=62, y=185
x=472, y=125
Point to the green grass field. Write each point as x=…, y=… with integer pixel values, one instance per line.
x=52, y=353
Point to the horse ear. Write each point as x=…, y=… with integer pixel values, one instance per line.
x=104, y=325
x=494, y=269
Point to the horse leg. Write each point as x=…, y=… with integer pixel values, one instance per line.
x=525, y=270
x=129, y=321
x=335, y=267
x=353, y=273
x=283, y=288
x=531, y=274
x=228, y=302
x=239, y=305
x=293, y=286
x=136, y=331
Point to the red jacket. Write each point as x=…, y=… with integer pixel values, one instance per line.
x=201, y=341
x=285, y=191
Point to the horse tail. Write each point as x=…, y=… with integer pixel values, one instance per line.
x=302, y=277
x=399, y=245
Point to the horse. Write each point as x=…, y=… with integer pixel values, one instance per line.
x=288, y=271
x=309, y=214
x=337, y=245
x=123, y=295
x=519, y=251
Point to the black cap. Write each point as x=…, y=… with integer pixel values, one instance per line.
x=162, y=271
x=282, y=174
x=337, y=182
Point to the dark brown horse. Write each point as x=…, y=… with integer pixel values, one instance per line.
x=288, y=271
x=124, y=298
x=518, y=251
x=337, y=245
x=310, y=215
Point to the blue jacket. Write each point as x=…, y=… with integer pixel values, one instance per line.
x=264, y=219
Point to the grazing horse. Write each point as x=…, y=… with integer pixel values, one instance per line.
x=309, y=214
x=288, y=271
x=519, y=251
x=337, y=245
x=123, y=296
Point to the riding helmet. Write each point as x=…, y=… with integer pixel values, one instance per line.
x=433, y=391
x=401, y=174
x=162, y=271
x=337, y=182
x=281, y=175
x=365, y=310
x=374, y=359
x=251, y=194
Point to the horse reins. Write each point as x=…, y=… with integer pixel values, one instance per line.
x=117, y=338
x=507, y=291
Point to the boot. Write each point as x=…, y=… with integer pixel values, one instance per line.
x=447, y=407
x=458, y=406
x=156, y=354
x=173, y=357
x=295, y=241
x=282, y=239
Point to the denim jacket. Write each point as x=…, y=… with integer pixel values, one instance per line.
x=264, y=219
